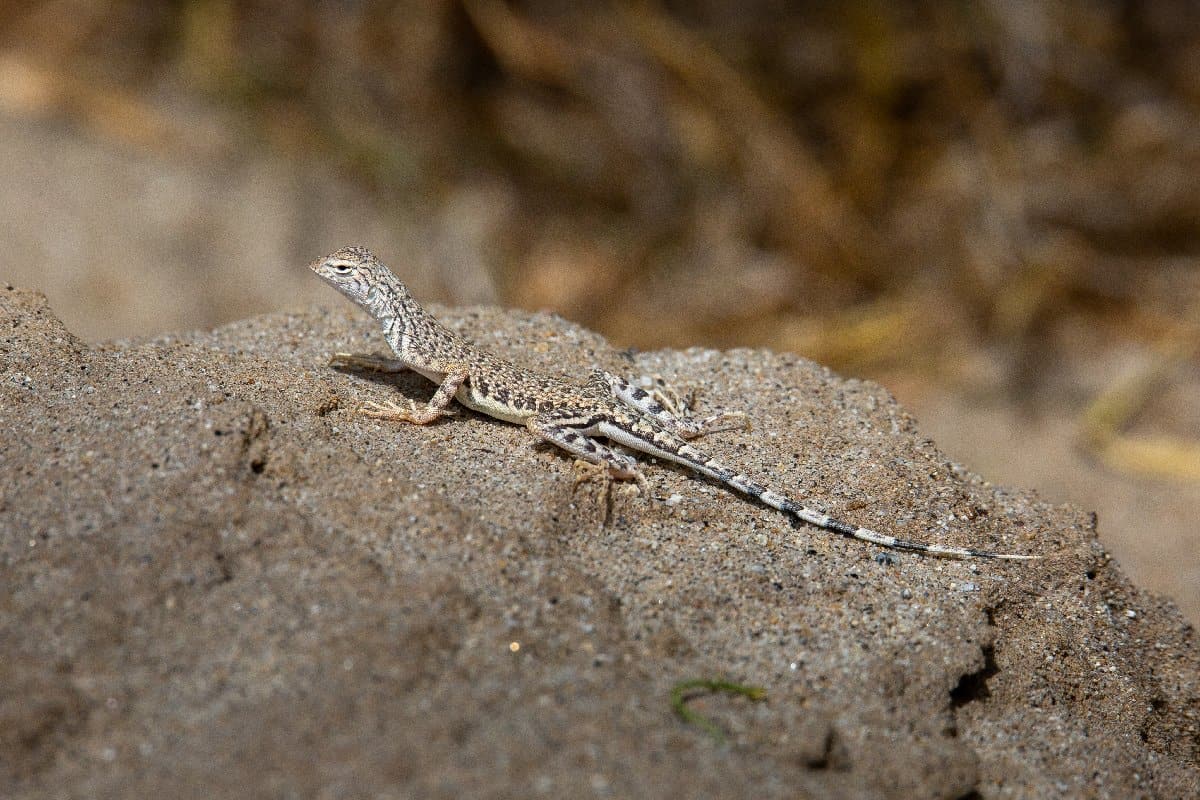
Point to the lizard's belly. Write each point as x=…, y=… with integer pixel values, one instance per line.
x=492, y=407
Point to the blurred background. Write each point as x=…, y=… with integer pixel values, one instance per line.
x=992, y=208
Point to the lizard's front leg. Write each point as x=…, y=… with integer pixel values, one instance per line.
x=367, y=363
x=435, y=408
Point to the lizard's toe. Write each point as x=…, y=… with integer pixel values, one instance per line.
x=388, y=410
x=587, y=471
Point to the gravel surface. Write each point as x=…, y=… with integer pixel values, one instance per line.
x=221, y=582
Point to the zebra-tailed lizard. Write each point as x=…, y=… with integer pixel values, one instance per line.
x=566, y=414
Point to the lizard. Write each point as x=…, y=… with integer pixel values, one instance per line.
x=570, y=415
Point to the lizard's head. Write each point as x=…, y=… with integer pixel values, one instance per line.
x=359, y=275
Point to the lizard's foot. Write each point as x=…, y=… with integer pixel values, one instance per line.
x=678, y=403
x=681, y=406
x=394, y=412
x=655, y=398
x=367, y=363
x=639, y=480
x=587, y=471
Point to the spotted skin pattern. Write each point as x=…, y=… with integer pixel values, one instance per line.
x=653, y=421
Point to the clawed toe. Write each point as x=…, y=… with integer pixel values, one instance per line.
x=389, y=410
x=394, y=412
x=738, y=420
x=587, y=471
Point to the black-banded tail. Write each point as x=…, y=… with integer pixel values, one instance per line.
x=661, y=443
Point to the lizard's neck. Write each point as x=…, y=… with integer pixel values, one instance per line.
x=403, y=319
x=394, y=308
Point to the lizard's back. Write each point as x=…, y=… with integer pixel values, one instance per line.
x=494, y=385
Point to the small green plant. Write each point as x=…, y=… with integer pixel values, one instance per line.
x=686, y=690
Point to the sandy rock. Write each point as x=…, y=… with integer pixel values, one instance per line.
x=219, y=581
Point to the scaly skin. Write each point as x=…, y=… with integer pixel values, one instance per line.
x=569, y=415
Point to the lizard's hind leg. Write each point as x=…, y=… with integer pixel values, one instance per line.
x=570, y=437
x=664, y=404
x=666, y=395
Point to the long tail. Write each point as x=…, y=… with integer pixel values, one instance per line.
x=661, y=443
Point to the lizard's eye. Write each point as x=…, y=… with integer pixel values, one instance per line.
x=342, y=269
